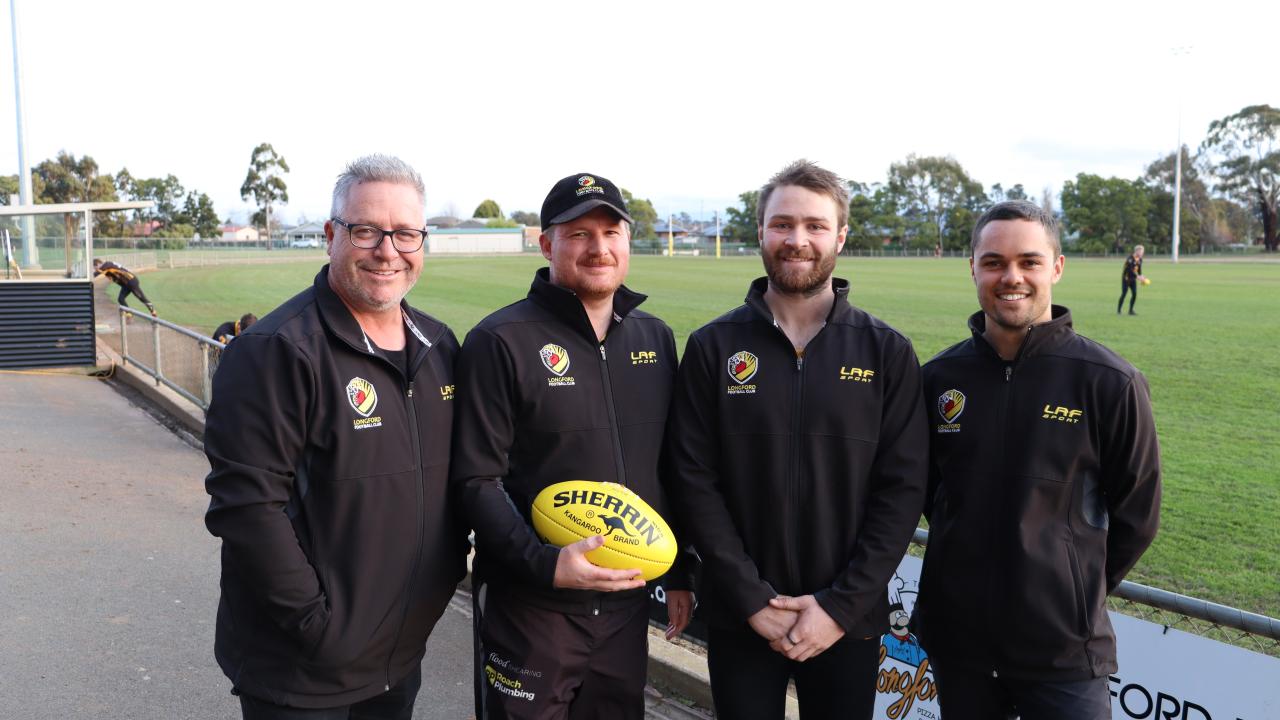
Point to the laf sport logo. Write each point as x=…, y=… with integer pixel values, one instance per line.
x=644, y=357
x=1062, y=414
x=555, y=358
x=856, y=374
x=446, y=392
x=362, y=396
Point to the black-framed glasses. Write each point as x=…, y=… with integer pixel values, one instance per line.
x=368, y=237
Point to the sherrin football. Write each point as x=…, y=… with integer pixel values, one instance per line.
x=635, y=536
x=1146, y=281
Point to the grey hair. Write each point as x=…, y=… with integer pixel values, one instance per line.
x=1018, y=210
x=375, y=168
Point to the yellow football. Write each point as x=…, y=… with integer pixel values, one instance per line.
x=1146, y=281
x=635, y=536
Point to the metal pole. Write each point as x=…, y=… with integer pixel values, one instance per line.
x=124, y=337
x=671, y=243
x=30, y=253
x=1177, y=155
x=717, y=233
x=204, y=373
x=155, y=341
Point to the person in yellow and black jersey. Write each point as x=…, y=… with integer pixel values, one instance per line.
x=1044, y=491
x=127, y=281
x=231, y=329
x=796, y=442
x=1130, y=277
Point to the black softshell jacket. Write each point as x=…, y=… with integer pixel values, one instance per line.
x=1045, y=491
x=329, y=482
x=525, y=422
x=800, y=477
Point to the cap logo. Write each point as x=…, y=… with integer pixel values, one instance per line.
x=742, y=366
x=555, y=358
x=587, y=185
x=362, y=396
x=950, y=405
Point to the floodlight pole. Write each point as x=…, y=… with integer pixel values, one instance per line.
x=671, y=243
x=30, y=253
x=1177, y=156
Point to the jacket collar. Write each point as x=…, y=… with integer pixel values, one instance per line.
x=839, y=309
x=564, y=303
x=1039, y=338
x=340, y=321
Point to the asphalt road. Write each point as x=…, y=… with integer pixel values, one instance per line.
x=108, y=578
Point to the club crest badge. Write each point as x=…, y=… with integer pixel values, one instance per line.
x=362, y=396
x=555, y=358
x=742, y=366
x=950, y=405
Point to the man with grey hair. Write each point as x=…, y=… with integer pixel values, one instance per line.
x=1044, y=490
x=328, y=441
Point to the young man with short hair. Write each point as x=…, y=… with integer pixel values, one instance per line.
x=1044, y=490
x=127, y=281
x=797, y=442
x=1130, y=277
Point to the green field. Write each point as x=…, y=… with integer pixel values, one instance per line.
x=1206, y=336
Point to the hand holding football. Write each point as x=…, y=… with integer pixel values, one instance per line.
x=635, y=536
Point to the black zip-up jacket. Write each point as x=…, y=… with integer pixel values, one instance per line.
x=799, y=475
x=1044, y=492
x=525, y=421
x=1132, y=269
x=329, y=490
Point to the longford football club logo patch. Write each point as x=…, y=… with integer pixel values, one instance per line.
x=587, y=184
x=364, y=400
x=742, y=367
x=950, y=405
x=362, y=396
x=555, y=358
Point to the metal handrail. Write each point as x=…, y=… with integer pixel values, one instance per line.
x=206, y=344
x=1223, y=615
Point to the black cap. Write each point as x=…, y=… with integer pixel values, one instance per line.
x=578, y=195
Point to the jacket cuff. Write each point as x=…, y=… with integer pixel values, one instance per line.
x=836, y=609
x=545, y=566
x=753, y=599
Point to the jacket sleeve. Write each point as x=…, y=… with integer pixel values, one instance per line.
x=684, y=570
x=1131, y=480
x=255, y=433
x=484, y=431
x=694, y=450
x=897, y=483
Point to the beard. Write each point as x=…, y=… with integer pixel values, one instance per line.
x=794, y=281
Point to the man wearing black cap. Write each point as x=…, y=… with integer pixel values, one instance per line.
x=573, y=382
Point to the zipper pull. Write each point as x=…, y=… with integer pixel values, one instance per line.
x=602, y=355
x=1008, y=372
x=410, y=388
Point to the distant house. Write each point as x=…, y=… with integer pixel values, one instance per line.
x=144, y=229
x=678, y=234
x=239, y=233
x=473, y=240
x=309, y=235
x=443, y=221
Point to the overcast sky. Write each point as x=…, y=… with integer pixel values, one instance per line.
x=685, y=103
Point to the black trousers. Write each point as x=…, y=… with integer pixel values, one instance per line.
x=394, y=704
x=971, y=695
x=136, y=289
x=1128, y=286
x=749, y=680
x=536, y=664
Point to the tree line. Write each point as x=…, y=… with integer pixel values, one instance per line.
x=1230, y=188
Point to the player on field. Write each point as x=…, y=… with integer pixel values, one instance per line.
x=797, y=443
x=1044, y=491
x=573, y=382
x=127, y=281
x=1130, y=277
x=231, y=329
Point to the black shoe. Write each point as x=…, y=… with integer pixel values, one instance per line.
x=1132, y=312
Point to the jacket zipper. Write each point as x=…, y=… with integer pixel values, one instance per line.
x=417, y=466
x=793, y=472
x=613, y=419
x=1004, y=476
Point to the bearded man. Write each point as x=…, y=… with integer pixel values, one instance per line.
x=797, y=441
